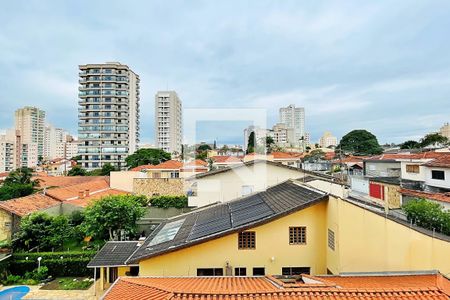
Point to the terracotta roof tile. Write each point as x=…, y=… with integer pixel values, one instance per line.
x=72, y=191
x=197, y=162
x=442, y=162
x=29, y=204
x=225, y=159
x=84, y=202
x=60, y=181
x=167, y=165
x=444, y=197
x=433, y=286
x=286, y=155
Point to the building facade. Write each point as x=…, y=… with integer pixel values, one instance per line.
x=328, y=140
x=445, y=130
x=52, y=137
x=294, y=117
x=6, y=153
x=168, y=122
x=108, y=114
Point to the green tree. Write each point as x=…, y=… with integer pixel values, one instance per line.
x=104, y=171
x=433, y=139
x=251, y=143
x=20, y=176
x=113, y=215
x=203, y=147
x=269, y=144
x=77, y=171
x=147, y=156
x=43, y=231
x=76, y=159
x=12, y=191
x=410, y=145
x=201, y=155
x=315, y=155
x=360, y=142
x=428, y=215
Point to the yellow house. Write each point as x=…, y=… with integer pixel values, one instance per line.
x=289, y=229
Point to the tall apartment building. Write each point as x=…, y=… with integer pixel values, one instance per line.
x=168, y=122
x=6, y=153
x=52, y=137
x=282, y=135
x=445, y=130
x=30, y=122
x=68, y=148
x=294, y=117
x=108, y=119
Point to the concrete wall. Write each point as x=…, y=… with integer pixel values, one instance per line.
x=6, y=224
x=159, y=186
x=228, y=185
x=123, y=180
x=412, y=176
x=360, y=184
x=382, y=169
x=216, y=253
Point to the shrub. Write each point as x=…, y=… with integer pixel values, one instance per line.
x=428, y=215
x=169, y=201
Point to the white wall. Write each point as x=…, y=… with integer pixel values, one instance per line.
x=223, y=187
x=412, y=176
x=123, y=180
x=435, y=182
x=360, y=184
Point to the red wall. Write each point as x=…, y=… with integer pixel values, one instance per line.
x=376, y=191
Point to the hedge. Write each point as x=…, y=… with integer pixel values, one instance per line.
x=72, y=263
x=169, y=201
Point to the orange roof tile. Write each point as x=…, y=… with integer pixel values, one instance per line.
x=225, y=159
x=167, y=165
x=29, y=204
x=72, y=191
x=433, y=286
x=286, y=155
x=444, y=197
x=441, y=162
x=84, y=202
x=59, y=181
x=196, y=163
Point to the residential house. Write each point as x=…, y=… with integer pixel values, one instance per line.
x=58, y=166
x=221, y=162
x=391, y=286
x=289, y=229
x=225, y=184
x=167, y=169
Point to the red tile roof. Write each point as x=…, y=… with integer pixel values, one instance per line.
x=433, y=286
x=84, y=202
x=443, y=197
x=286, y=155
x=441, y=162
x=423, y=155
x=226, y=159
x=60, y=181
x=72, y=191
x=167, y=165
x=29, y=204
x=196, y=163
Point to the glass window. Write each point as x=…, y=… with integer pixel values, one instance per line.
x=259, y=271
x=412, y=169
x=240, y=271
x=289, y=271
x=437, y=174
x=210, y=272
x=331, y=239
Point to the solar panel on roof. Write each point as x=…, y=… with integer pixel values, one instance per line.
x=251, y=209
x=167, y=233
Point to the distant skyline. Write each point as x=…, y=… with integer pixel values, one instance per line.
x=383, y=66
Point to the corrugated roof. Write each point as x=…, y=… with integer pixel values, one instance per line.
x=225, y=218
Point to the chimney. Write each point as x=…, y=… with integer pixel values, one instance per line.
x=80, y=195
x=86, y=193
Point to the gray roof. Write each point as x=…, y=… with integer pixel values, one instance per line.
x=113, y=254
x=225, y=218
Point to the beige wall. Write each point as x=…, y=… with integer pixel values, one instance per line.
x=369, y=242
x=228, y=185
x=216, y=253
x=160, y=186
x=123, y=180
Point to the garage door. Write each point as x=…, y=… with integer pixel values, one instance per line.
x=376, y=191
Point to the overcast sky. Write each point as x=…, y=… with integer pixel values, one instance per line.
x=379, y=65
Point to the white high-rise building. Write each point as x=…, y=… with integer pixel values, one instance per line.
x=294, y=117
x=30, y=122
x=445, y=130
x=6, y=153
x=282, y=135
x=108, y=115
x=53, y=136
x=168, y=122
